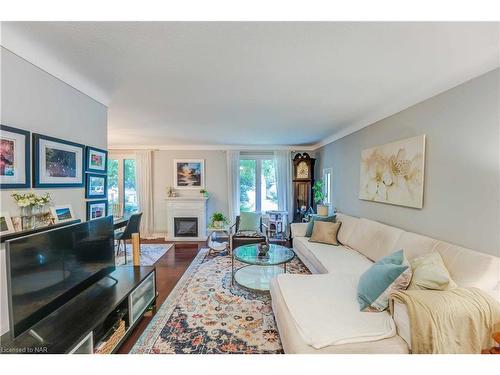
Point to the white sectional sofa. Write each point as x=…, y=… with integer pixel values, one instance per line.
x=319, y=313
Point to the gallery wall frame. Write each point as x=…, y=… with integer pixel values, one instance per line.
x=96, y=160
x=57, y=162
x=96, y=185
x=15, y=159
x=97, y=209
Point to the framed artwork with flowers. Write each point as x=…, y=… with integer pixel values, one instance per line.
x=394, y=173
x=14, y=158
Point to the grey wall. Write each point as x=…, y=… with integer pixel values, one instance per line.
x=462, y=169
x=215, y=182
x=34, y=100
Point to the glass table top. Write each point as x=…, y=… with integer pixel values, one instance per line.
x=277, y=254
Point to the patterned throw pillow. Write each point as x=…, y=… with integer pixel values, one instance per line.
x=313, y=218
x=390, y=274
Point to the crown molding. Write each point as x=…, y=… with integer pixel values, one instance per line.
x=212, y=147
x=15, y=43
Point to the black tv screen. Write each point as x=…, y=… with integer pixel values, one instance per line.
x=47, y=269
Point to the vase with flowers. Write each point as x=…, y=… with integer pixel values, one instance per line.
x=32, y=207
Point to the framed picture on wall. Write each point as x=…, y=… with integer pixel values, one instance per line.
x=6, y=225
x=14, y=158
x=57, y=163
x=97, y=209
x=96, y=185
x=189, y=174
x=96, y=160
x=62, y=213
x=401, y=165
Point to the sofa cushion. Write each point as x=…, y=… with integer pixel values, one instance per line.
x=325, y=312
x=470, y=268
x=386, y=276
x=249, y=221
x=302, y=248
x=324, y=258
x=313, y=219
x=298, y=229
x=347, y=228
x=415, y=245
x=373, y=239
x=325, y=232
x=429, y=272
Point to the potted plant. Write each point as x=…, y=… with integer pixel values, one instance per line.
x=204, y=193
x=319, y=198
x=218, y=220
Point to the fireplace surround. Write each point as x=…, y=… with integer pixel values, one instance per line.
x=186, y=218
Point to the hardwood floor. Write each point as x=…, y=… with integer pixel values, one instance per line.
x=169, y=269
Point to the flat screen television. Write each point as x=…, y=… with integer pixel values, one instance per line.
x=45, y=270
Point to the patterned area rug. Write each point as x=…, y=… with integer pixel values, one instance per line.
x=150, y=253
x=205, y=314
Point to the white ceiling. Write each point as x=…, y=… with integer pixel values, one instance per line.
x=253, y=83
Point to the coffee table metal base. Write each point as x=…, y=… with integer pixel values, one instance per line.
x=257, y=278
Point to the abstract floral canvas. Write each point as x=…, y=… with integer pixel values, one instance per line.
x=394, y=173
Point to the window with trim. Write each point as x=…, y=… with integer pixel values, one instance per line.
x=258, y=186
x=327, y=185
x=122, y=193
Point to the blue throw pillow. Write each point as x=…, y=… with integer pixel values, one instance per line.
x=388, y=275
x=313, y=218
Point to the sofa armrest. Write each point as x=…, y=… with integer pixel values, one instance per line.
x=298, y=229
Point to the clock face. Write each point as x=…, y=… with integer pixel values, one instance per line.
x=302, y=170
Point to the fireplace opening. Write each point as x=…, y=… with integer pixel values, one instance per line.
x=185, y=226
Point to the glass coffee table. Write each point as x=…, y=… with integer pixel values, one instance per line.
x=259, y=270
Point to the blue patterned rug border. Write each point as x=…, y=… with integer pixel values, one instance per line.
x=148, y=338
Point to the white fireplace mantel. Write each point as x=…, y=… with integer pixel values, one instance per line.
x=187, y=207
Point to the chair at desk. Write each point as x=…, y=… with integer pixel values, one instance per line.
x=133, y=225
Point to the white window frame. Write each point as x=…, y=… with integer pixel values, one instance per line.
x=121, y=157
x=258, y=175
x=327, y=186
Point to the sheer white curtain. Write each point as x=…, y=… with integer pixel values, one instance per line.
x=144, y=186
x=233, y=183
x=283, y=162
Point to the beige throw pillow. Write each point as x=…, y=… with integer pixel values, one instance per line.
x=429, y=272
x=325, y=232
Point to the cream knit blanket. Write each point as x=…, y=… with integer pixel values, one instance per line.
x=459, y=320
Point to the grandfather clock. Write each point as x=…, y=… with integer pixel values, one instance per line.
x=303, y=180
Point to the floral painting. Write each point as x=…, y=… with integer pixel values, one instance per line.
x=7, y=155
x=14, y=158
x=394, y=173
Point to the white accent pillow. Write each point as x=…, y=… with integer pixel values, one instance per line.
x=429, y=272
